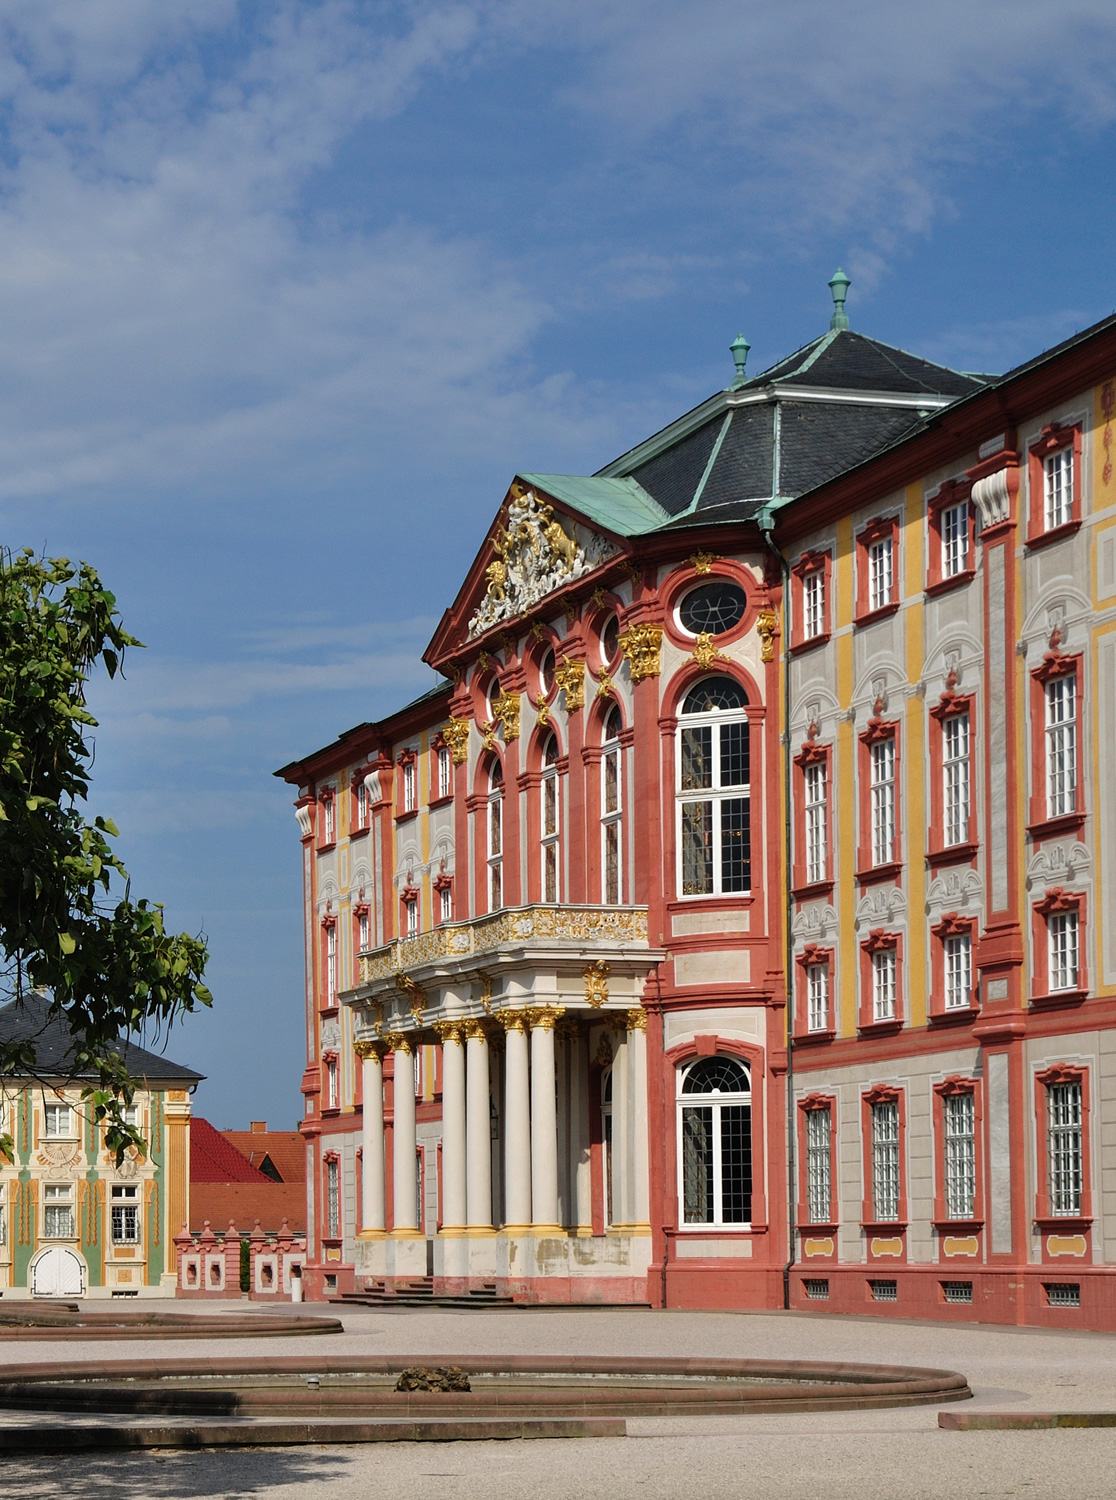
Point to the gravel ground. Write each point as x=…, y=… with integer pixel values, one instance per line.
x=875, y=1455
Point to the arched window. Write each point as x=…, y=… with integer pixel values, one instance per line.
x=715, y=1141
x=714, y=836
x=612, y=810
x=549, y=829
x=496, y=837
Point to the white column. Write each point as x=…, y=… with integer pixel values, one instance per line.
x=517, y=1124
x=478, y=1130
x=372, y=1136
x=579, y=1132
x=454, y=1153
x=621, y=1129
x=544, y=1120
x=404, y=1157
x=637, y=1088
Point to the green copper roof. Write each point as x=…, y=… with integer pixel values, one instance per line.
x=622, y=506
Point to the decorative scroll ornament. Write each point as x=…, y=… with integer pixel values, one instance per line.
x=450, y=1031
x=705, y=652
x=640, y=645
x=413, y=994
x=637, y=1019
x=534, y=555
x=542, y=711
x=545, y=1017
x=505, y=710
x=702, y=562
x=605, y=682
x=570, y=677
x=767, y=627
x=400, y=1041
x=369, y=1048
x=456, y=736
x=596, y=983
x=305, y=826
x=514, y=1020
x=488, y=734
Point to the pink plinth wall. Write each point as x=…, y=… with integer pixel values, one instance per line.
x=208, y=1264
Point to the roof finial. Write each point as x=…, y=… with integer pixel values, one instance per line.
x=739, y=348
x=839, y=285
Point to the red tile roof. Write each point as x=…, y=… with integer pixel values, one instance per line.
x=286, y=1148
x=215, y=1159
x=245, y=1202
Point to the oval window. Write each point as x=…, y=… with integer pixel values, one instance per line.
x=610, y=639
x=713, y=608
x=546, y=671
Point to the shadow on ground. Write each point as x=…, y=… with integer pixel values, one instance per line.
x=170, y=1474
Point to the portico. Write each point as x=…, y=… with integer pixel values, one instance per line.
x=534, y=1021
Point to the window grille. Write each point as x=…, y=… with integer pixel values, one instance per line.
x=885, y=1161
x=817, y=997
x=1063, y=1293
x=816, y=1288
x=1064, y=1147
x=549, y=828
x=1062, y=938
x=58, y=1212
x=1061, y=745
x=880, y=572
x=813, y=603
x=957, y=1291
x=611, y=809
x=958, y=970
x=883, y=800
x=955, y=778
x=884, y=1291
x=125, y=1215
x=817, y=820
x=958, y=1116
x=713, y=790
x=715, y=1142
x=819, y=1198
x=445, y=772
x=333, y=1198
x=955, y=539
x=1057, y=475
x=884, y=984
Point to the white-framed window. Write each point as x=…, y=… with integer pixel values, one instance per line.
x=885, y=984
x=955, y=778
x=361, y=803
x=125, y=1214
x=58, y=1122
x=819, y=1187
x=817, y=821
x=1057, y=487
x=959, y=1166
x=409, y=779
x=958, y=956
x=612, y=810
x=882, y=773
x=333, y=1198
x=714, y=833
x=813, y=603
x=881, y=572
x=1061, y=745
x=130, y=1114
x=3, y=1215
x=1063, y=947
x=331, y=962
x=496, y=837
x=445, y=903
x=550, y=820
x=329, y=819
x=445, y=771
x=333, y=1084
x=411, y=912
x=1065, y=1152
x=955, y=539
x=715, y=1142
x=817, y=997
x=364, y=930
x=58, y=1211
x=885, y=1160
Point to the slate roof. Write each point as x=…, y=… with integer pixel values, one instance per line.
x=30, y=1020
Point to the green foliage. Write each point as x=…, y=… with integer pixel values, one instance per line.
x=245, y=1265
x=105, y=960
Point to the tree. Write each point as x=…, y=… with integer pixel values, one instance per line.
x=69, y=927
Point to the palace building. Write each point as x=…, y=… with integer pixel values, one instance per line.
x=735, y=926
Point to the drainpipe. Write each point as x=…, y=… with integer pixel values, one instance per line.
x=765, y=520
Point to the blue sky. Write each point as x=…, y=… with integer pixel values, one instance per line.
x=289, y=291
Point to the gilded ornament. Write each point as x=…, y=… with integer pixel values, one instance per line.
x=537, y=632
x=604, y=1051
x=450, y=1031
x=505, y=708
x=545, y=1017
x=767, y=625
x=702, y=562
x=596, y=982
x=640, y=645
x=456, y=736
x=705, y=652
x=605, y=682
x=570, y=677
x=488, y=734
x=474, y=1030
x=400, y=1041
x=367, y=1048
x=542, y=711
x=637, y=1019
x=413, y=994
x=484, y=661
x=568, y=1029
x=600, y=598
x=513, y=1020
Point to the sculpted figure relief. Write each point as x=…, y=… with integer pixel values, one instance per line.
x=535, y=554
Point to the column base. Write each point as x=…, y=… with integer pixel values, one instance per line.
x=550, y=1231
x=372, y=1234
x=407, y=1233
x=478, y=1232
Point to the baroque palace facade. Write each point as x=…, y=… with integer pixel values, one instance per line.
x=735, y=926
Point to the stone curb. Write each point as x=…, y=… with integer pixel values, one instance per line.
x=990, y=1421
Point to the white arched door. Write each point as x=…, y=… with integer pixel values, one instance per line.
x=58, y=1272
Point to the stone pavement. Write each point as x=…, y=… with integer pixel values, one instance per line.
x=875, y=1455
